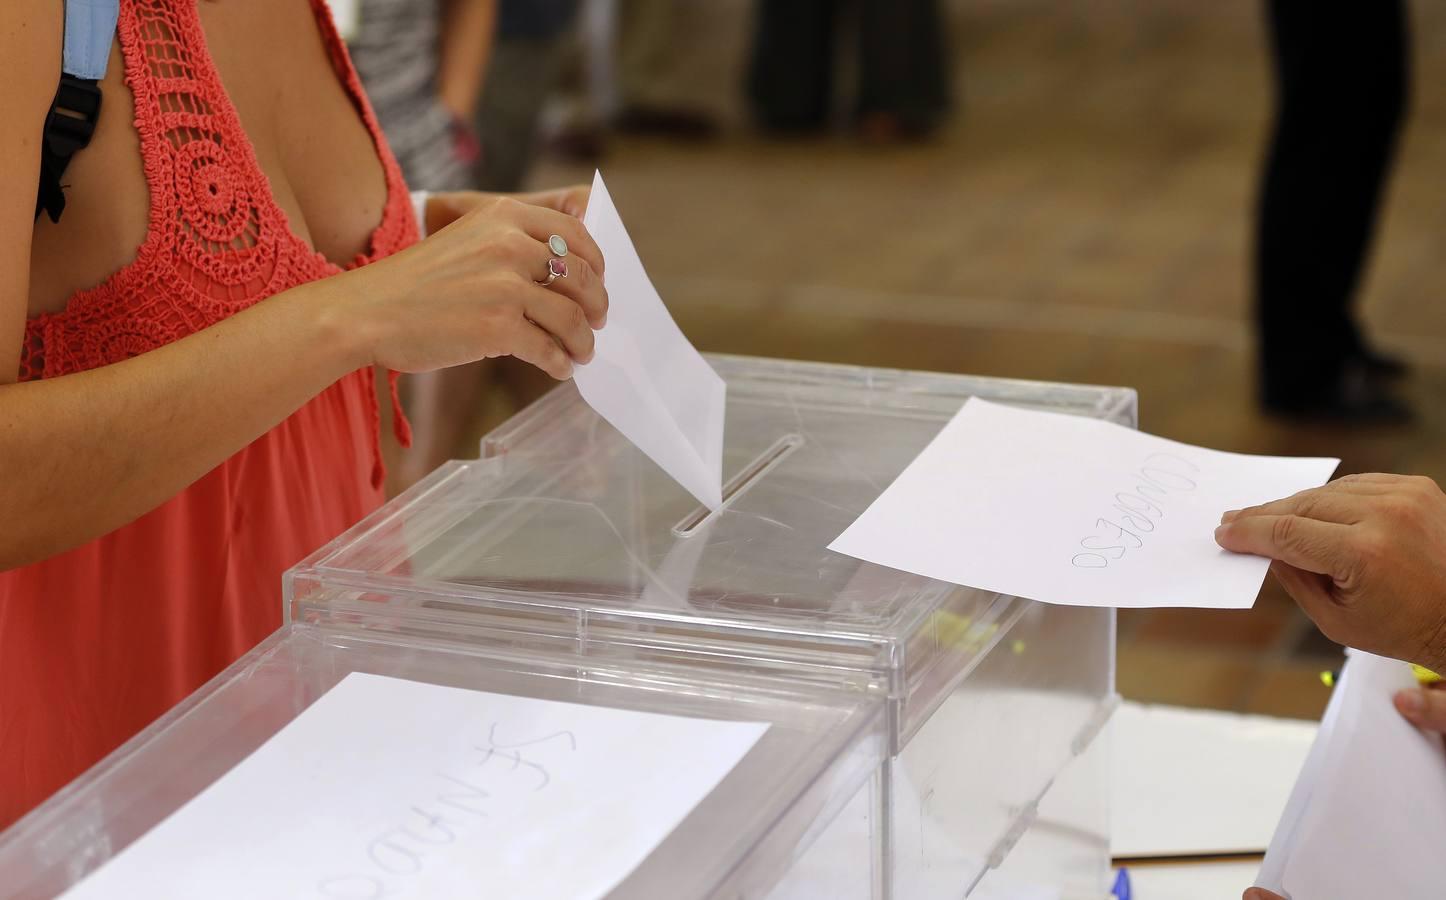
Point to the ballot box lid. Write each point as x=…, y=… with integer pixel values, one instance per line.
x=563, y=535
x=812, y=752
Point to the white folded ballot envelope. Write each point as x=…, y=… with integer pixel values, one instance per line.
x=646, y=379
x=1367, y=817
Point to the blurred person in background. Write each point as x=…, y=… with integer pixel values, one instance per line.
x=570, y=72
x=1342, y=80
x=902, y=88
x=422, y=63
x=647, y=97
x=527, y=67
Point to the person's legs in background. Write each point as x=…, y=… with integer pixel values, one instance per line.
x=1342, y=76
x=533, y=38
x=790, y=78
x=647, y=43
x=527, y=65
x=903, y=72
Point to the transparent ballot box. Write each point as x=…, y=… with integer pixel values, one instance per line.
x=564, y=538
x=741, y=838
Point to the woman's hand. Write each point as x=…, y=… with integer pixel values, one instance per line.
x=1256, y=893
x=1364, y=556
x=445, y=208
x=471, y=291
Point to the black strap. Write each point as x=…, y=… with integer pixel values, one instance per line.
x=68, y=130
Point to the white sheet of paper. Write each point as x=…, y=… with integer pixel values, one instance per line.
x=647, y=379
x=1367, y=817
x=1194, y=782
x=1072, y=510
x=399, y=789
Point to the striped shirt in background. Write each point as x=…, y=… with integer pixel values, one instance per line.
x=395, y=46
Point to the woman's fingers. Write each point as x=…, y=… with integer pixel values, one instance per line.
x=563, y=319
x=1423, y=708
x=531, y=344
x=542, y=223
x=584, y=288
x=569, y=200
x=1307, y=544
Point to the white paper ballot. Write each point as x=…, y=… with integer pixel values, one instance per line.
x=1071, y=510
x=647, y=379
x=1367, y=817
x=386, y=788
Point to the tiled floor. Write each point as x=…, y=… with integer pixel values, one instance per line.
x=1085, y=219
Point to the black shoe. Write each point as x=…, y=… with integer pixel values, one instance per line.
x=1357, y=398
x=1382, y=365
x=675, y=122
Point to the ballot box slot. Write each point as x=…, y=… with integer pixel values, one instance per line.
x=750, y=475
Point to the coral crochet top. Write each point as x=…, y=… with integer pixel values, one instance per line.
x=98, y=642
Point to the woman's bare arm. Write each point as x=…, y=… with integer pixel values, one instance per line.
x=30, y=41
x=467, y=33
x=83, y=454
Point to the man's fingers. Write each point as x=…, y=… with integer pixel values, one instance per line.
x=1368, y=485
x=1256, y=893
x=563, y=319
x=1307, y=544
x=1423, y=708
x=1324, y=504
x=1311, y=592
x=1370, y=478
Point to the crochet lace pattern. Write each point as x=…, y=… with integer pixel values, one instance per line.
x=217, y=242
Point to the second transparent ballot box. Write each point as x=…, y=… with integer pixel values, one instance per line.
x=564, y=538
x=241, y=791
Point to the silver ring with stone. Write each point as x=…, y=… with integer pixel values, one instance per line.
x=556, y=268
x=558, y=245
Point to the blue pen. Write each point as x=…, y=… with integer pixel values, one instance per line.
x=1122, y=885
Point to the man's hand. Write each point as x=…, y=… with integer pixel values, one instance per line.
x=1424, y=707
x=1364, y=556
x=1256, y=893
x=445, y=208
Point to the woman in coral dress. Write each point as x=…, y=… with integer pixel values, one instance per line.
x=187, y=403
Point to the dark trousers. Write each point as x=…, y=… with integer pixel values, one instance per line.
x=1342, y=79
x=902, y=65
